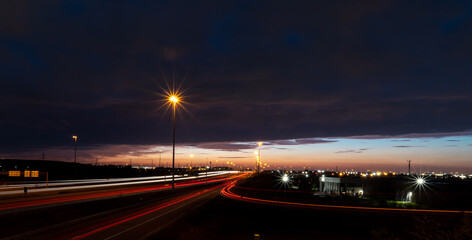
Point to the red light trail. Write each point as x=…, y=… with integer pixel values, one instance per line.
x=98, y=228
x=226, y=191
x=7, y=206
x=106, y=225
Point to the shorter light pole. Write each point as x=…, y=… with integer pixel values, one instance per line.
x=75, y=153
x=160, y=155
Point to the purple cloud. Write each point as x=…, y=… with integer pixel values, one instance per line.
x=300, y=141
x=361, y=150
x=226, y=146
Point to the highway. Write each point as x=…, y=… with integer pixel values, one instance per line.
x=132, y=218
x=96, y=183
x=45, y=197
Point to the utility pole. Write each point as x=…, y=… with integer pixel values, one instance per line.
x=43, y=156
x=409, y=165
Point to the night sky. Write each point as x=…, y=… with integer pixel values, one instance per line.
x=300, y=76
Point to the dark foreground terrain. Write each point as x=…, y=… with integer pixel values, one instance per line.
x=223, y=218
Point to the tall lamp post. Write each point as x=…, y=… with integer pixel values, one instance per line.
x=75, y=152
x=174, y=100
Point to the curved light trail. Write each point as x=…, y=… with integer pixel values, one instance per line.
x=226, y=191
x=91, y=230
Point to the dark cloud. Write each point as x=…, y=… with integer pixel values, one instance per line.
x=415, y=135
x=254, y=71
x=238, y=146
x=299, y=141
x=221, y=146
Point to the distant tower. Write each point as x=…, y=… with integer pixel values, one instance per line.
x=43, y=156
x=409, y=166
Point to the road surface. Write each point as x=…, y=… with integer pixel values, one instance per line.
x=130, y=217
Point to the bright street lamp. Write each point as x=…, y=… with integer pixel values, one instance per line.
x=174, y=99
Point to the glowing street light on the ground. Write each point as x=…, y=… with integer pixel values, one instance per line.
x=285, y=178
x=420, y=181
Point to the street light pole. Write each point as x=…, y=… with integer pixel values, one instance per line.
x=160, y=155
x=173, y=146
x=173, y=99
x=75, y=153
